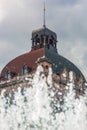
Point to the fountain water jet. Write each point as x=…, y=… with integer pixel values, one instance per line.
x=37, y=108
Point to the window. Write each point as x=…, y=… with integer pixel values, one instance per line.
x=8, y=74
x=46, y=67
x=47, y=39
x=42, y=39
x=25, y=71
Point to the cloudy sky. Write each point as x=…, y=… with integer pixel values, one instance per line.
x=68, y=18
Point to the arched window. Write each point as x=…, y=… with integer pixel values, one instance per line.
x=42, y=39
x=46, y=67
x=25, y=71
x=47, y=38
x=8, y=74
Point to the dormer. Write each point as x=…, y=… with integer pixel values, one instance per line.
x=45, y=63
x=44, y=37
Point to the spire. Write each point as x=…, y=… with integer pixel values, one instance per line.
x=44, y=21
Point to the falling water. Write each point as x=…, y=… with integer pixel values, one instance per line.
x=36, y=107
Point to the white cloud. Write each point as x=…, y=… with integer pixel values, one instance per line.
x=76, y=54
x=1, y=14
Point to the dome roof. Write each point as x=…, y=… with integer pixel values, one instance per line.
x=44, y=43
x=59, y=63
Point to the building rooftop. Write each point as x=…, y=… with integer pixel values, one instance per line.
x=44, y=43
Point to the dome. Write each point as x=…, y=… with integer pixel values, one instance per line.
x=44, y=44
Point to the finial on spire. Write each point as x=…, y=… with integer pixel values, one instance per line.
x=44, y=22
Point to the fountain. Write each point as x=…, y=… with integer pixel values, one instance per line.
x=37, y=106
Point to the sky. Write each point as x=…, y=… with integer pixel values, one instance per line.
x=68, y=18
